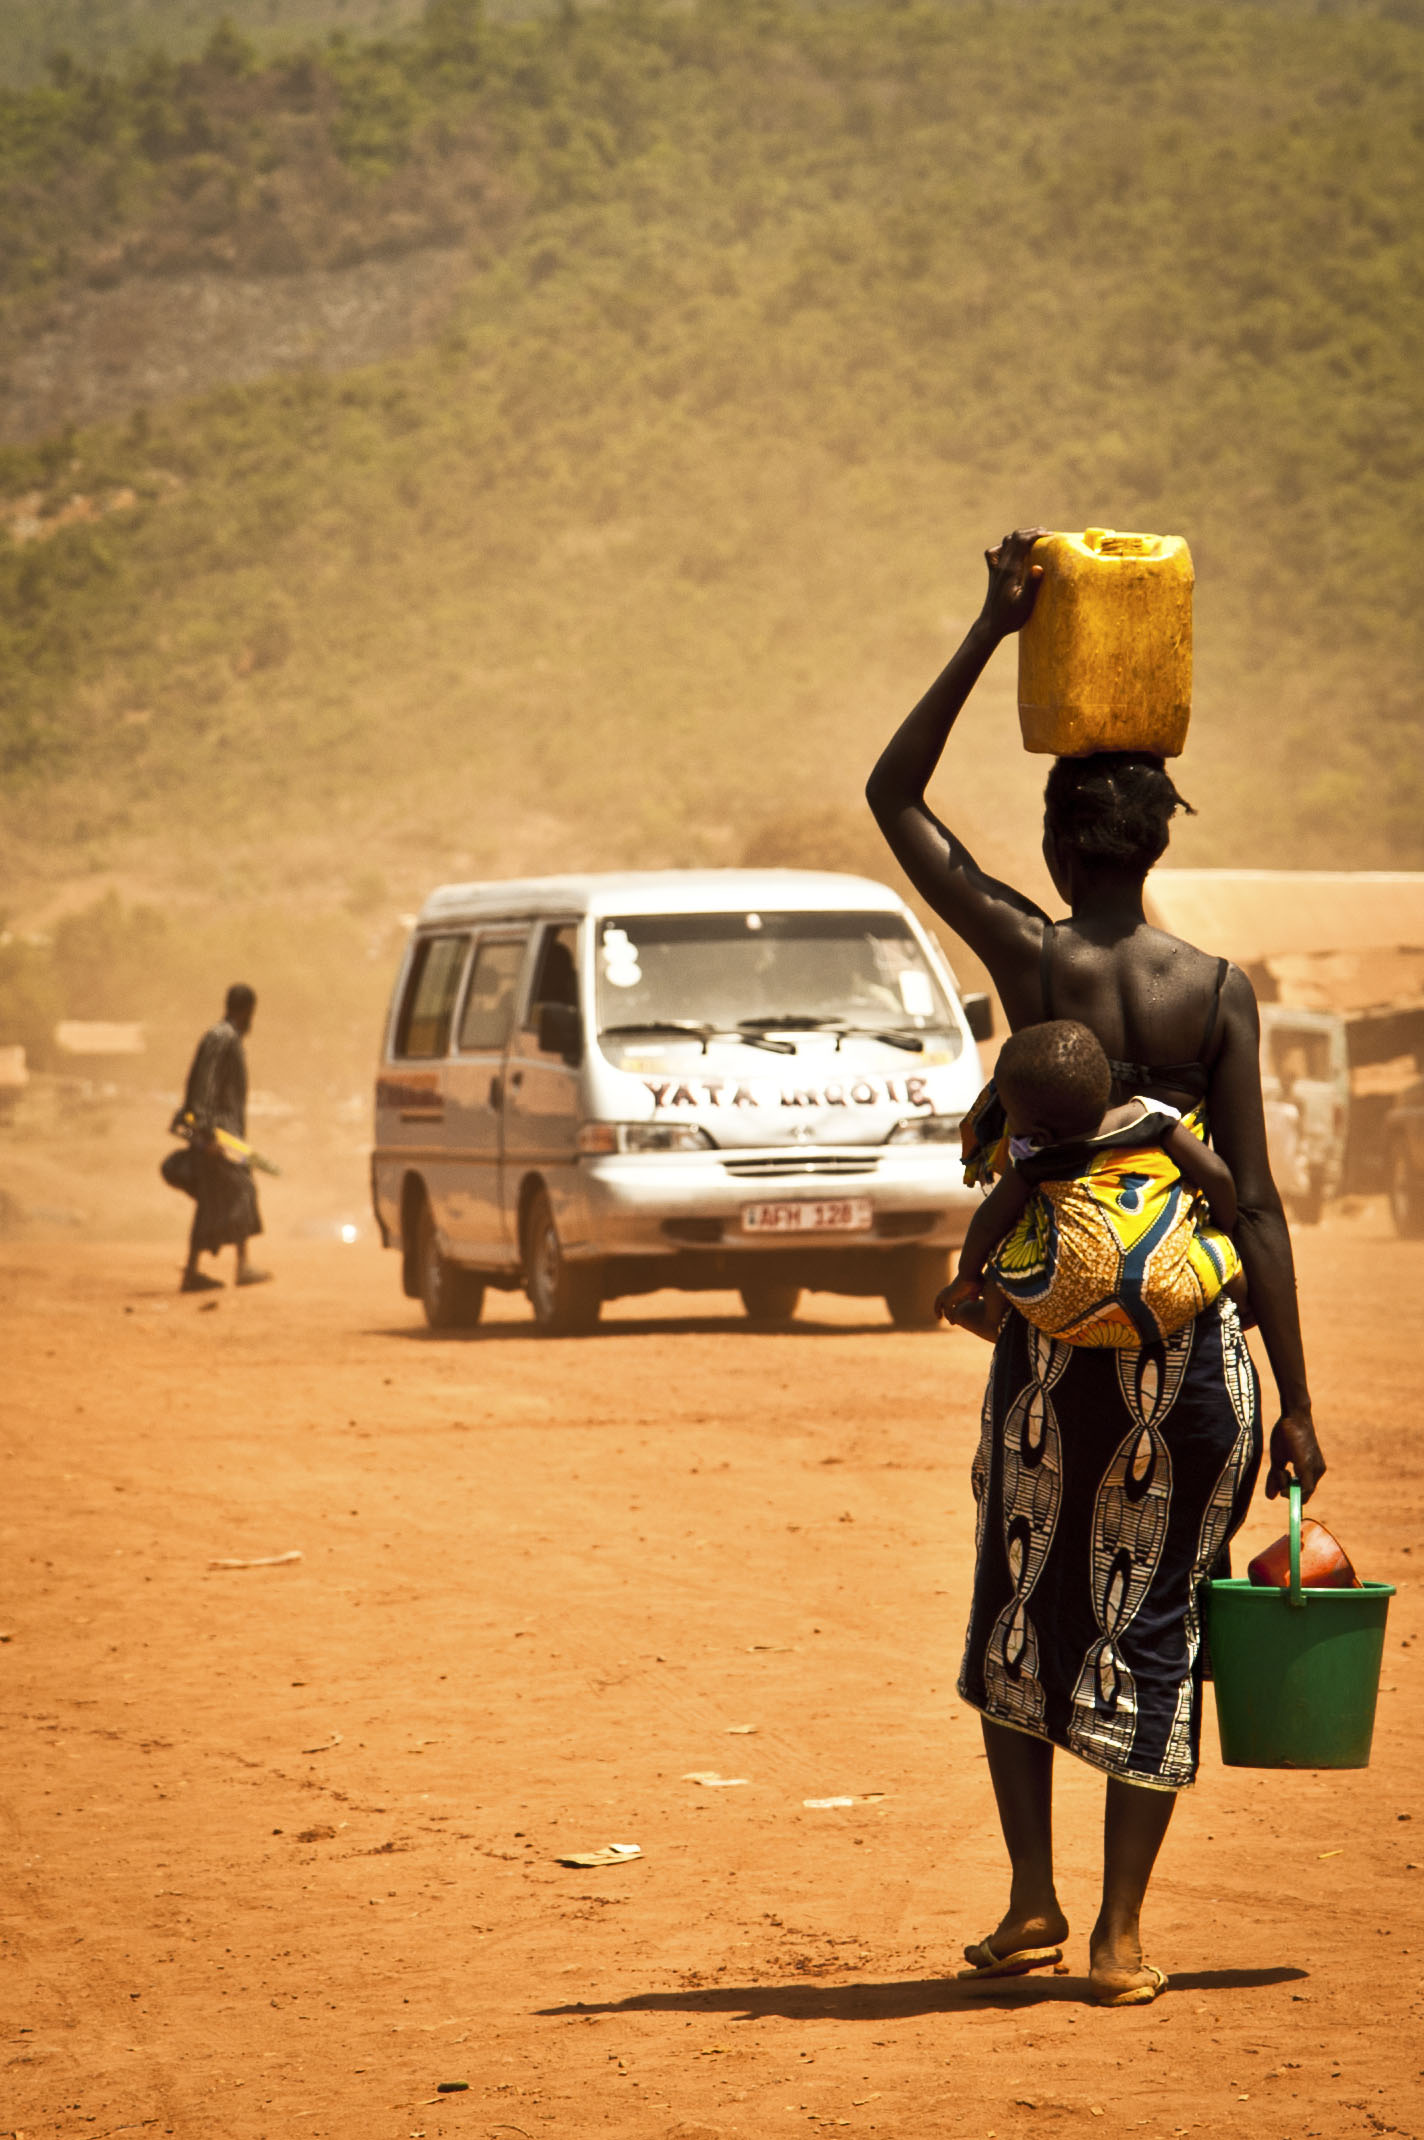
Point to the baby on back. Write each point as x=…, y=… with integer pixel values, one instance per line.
x=1111, y=1225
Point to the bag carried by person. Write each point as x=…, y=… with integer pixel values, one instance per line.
x=180, y=1169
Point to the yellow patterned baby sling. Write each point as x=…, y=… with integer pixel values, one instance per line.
x=1121, y=1251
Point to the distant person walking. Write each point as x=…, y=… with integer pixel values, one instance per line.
x=216, y=1099
x=1109, y=1479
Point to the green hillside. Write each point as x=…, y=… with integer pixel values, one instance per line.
x=774, y=314
x=106, y=33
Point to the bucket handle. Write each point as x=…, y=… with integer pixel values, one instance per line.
x=1296, y=1595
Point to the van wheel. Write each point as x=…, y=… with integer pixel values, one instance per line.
x=769, y=1300
x=1406, y=1198
x=452, y=1298
x=914, y=1282
x=565, y=1296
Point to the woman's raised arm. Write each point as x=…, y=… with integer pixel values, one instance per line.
x=1000, y=924
x=1238, y=1130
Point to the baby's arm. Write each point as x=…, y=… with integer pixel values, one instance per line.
x=981, y=1312
x=1204, y=1169
x=969, y=1300
x=1001, y=1209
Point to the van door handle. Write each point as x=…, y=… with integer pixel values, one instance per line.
x=496, y=1093
x=516, y=1080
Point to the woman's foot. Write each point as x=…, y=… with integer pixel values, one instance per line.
x=1118, y=1974
x=1020, y=1932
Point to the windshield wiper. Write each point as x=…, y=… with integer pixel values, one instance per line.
x=786, y=1021
x=660, y=1025
x=894, y=1036
x=693, y=1031
x=763, y=1040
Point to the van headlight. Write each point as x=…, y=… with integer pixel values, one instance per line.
x=596, y=1137
x=926, y=1129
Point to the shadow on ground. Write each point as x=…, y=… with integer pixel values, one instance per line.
x=645, y=1326
x=905, y=2000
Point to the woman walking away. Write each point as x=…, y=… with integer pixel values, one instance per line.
x=1109, y=1480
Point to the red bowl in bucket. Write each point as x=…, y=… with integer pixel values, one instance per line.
x=1324, y=1563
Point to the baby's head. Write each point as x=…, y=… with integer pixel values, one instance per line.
x=1054, y=1081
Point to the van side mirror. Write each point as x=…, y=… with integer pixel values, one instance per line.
x=560, y=1031
x=979, y=1015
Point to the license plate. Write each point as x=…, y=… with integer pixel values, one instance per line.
x=826, y=1214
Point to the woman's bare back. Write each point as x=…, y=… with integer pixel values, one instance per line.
x=1152, y=1001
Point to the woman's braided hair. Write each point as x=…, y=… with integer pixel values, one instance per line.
x=1112, y=806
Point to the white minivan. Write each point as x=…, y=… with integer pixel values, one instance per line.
x=735, y=1079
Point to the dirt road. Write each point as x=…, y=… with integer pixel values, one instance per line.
x=281, y=1841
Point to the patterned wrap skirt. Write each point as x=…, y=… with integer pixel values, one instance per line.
x=1108, y=1482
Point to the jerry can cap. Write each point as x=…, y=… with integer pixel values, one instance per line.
x=1107, y=542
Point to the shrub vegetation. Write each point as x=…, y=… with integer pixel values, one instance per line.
x=774, y=313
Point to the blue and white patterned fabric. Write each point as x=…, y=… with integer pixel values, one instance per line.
x=1108, y=1483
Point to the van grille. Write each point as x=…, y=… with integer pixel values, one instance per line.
x=783, y=1166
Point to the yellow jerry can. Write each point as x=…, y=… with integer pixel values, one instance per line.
x=1105, y=661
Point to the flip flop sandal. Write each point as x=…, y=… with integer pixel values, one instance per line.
x=1140, y=1994
x=985, y=1963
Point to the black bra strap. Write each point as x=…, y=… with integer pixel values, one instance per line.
x=1213, y=1011
x=1183, y=1077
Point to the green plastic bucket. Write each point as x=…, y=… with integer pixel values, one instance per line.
x=1296, y=1671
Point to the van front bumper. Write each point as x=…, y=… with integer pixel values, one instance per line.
x=670, y=1203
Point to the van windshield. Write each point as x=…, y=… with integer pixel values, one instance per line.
x=770, y=972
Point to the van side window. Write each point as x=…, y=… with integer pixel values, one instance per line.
x=489, y=1002
x=556, y=980
x=424, y=1024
